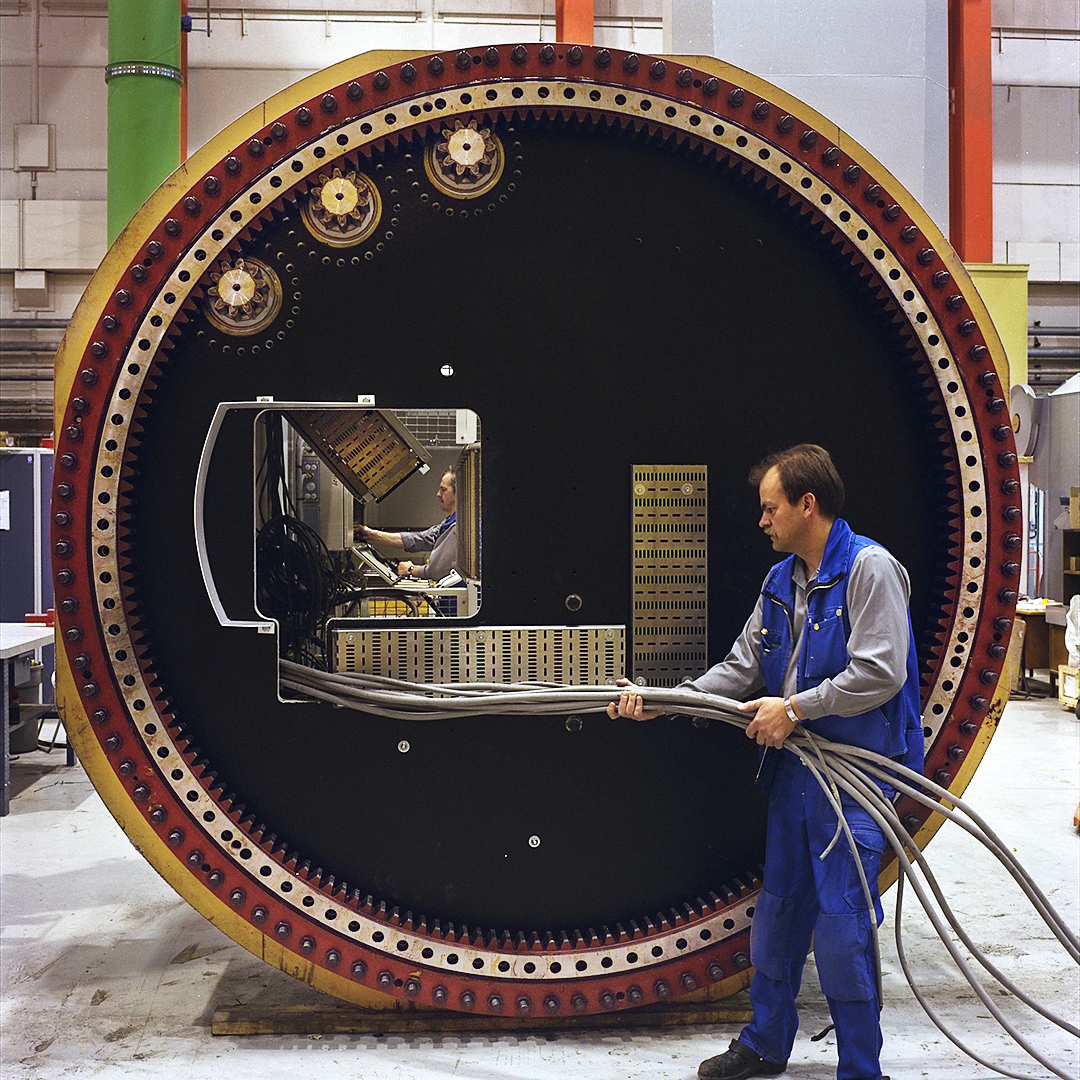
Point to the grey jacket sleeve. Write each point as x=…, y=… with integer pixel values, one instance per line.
x=420, y=541
x=877, y=601
x=738, y=675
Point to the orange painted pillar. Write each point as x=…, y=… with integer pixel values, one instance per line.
x=971, y=131
x=574, y=21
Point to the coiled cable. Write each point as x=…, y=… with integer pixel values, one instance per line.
x=837, y=767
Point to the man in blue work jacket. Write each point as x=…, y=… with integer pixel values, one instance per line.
x=828, y=645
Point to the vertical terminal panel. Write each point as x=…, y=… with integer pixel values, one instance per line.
x=669, y=568
x=468, y=513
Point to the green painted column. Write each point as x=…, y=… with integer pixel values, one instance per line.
x=144, y=80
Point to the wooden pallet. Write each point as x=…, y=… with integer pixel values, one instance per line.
x=344, y=1019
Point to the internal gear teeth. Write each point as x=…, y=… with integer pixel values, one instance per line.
x=947, y=482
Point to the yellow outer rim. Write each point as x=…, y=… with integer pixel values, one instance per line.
x=76, y=340
x=146, y=218
x=151, y=847
x=76, y=721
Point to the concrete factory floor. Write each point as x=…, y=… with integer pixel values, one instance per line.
x=106, y=973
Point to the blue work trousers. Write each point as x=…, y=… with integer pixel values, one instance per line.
x=806, y=899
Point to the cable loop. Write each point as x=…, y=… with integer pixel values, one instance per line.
x=838, y=768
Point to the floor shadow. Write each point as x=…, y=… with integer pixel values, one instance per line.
x=28, y=769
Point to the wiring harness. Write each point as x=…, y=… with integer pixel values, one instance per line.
x=298, y=582
x=837, y=767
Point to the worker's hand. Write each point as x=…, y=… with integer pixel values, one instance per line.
x=361, y=533
x=406, y=568
x=630, y=704
x=770, y=726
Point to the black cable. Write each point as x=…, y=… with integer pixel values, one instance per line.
x=298, y=582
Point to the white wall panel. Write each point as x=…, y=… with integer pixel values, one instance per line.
x=877, y=68
x=1037, y=177
x=1008, y=136
x=67, y=292
x=15, y=108
x=253, y=40
x=73, y=40
x=63, y=234
x=218, y=96
x=76, y=101
x=1036, y=213
x=1008, y=212
x=1049, y=213
x=66, y=289
x=1037, y=135
x=1070, y=261
x=71, y=184
x=1044, y=259
x=16, y=40
x=1035, y=61
x=1036, y=14
x=872, y=38
x=303, y=45
x=650, y=9
x=10, y=233
x=913, y=150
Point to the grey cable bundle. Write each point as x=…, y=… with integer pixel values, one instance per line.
x=837, y=767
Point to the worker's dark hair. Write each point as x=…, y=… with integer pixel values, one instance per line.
x=452, y=473
x=805, y=468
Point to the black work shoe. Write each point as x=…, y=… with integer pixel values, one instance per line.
x=737, y=1063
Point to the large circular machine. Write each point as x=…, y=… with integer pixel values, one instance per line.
x=633, y=277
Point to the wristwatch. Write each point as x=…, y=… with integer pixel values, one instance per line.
x=790, y=710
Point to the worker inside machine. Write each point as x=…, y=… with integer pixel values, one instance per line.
x=440, y=540
x=828, y=646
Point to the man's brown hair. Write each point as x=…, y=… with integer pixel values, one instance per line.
x=805, y=468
